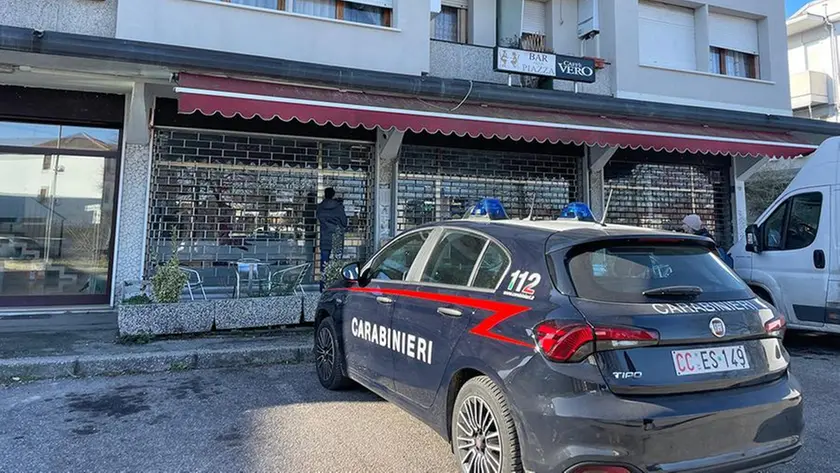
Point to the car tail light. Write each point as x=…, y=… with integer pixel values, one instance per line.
x=775, y=326
x=600, y=469
x=574, y=342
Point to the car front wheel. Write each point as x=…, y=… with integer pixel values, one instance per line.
x=329, y=357
x=483, y=433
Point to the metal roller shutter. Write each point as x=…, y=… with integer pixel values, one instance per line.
x=733, y=33
x=655, y=193
x=227, y=196
x=533, y=17
x=658, y=21
x=441, y=183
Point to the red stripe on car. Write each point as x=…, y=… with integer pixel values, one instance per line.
x=500, y=311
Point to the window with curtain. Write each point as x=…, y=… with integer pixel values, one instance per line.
x=445, y=25
x=734, y=45
x=322, y=8
x=369, y=12
x=272, y=4
x=733, y=63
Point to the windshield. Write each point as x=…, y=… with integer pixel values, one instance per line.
x=622, y=273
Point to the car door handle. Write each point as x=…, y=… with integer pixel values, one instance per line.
x=384, y=300
x=819, y=259
x=449, y=312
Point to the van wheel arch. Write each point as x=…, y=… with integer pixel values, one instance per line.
x=764, y=294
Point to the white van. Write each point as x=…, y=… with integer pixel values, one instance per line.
x=791, y=256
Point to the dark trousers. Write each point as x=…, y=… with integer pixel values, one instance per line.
x=325, y=258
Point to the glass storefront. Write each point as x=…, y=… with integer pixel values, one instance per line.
x=57, y=209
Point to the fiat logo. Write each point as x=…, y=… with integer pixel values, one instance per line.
x=717, y=327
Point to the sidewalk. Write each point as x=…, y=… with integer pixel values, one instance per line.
x=50, y=349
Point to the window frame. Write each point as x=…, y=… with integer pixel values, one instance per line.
x=788, y=213
x=424, y=257
x=340, y=5
x=752, y=64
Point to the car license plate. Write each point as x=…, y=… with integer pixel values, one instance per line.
x=710, y=360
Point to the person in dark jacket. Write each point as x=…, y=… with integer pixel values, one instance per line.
x=331, y=216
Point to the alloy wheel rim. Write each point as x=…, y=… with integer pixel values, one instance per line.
x=477, y=439
x=325, y=354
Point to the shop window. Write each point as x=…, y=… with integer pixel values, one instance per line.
x=451, y=23
x=57, y=210
x=733, y=63
x=369, y=12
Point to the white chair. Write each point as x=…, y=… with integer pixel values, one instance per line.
x=193, y=280
x=289, y=279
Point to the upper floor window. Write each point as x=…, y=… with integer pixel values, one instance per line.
x=369, y=12
x=734, y=46
x=451, y=23
x=667, y=36
x=534, y=25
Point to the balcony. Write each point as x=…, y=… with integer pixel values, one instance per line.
x=809, y=89
x=469, y=62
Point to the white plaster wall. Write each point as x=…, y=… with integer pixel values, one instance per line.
x=771, y=94
x=210, y=24
x=95, y=18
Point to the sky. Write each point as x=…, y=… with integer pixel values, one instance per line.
x=792, y=5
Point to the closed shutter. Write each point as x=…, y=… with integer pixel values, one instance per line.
x=533, y=17
x=733, y=33
x=456, y=3
x=666, y=36
x=659, y=190
x=377, y=3
x=442, y=183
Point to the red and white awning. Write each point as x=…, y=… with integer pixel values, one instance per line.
x=230, y=97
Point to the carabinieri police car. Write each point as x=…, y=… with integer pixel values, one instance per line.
x=568, y=346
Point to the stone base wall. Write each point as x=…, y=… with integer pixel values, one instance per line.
x=224, y=314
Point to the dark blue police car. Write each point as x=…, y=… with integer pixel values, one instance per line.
x=567, y=346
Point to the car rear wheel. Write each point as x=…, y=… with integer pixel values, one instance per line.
x=483, y=433
x=329, y=357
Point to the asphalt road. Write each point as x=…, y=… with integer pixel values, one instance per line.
x=279, y=419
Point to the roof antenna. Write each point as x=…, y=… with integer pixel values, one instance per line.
x=606, y=209
x=531, y=211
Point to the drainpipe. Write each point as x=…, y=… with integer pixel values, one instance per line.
x=835, y=79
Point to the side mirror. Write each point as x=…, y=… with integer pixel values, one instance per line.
x=350, y=272
x=753, y=239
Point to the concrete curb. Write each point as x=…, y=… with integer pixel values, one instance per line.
x=50, y=367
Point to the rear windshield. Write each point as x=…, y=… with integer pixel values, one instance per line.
x=622, y=273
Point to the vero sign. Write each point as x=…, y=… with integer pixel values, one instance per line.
x=532, y=63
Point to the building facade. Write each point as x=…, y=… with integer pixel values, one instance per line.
x=814, y=61
x=211, y=128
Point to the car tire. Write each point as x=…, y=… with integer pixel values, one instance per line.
x=329, y=357
x=492, y=442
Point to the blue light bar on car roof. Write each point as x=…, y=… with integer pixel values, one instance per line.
x=578, y=211
x=491, y=209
